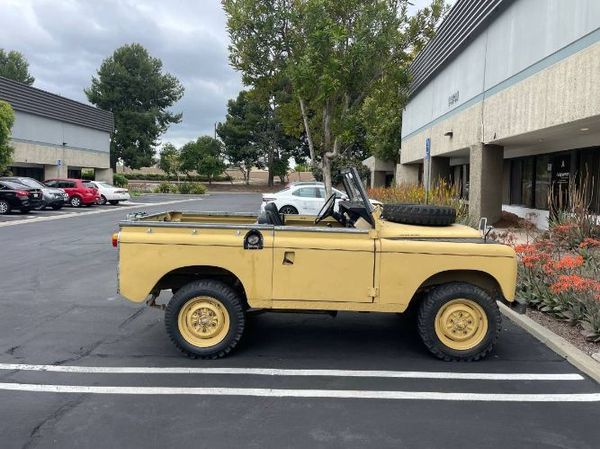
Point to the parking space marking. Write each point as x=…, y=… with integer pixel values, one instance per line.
x=294, y=393
x=73, y=369
x=66, y=214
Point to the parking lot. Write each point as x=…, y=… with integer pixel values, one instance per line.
x=81, y=367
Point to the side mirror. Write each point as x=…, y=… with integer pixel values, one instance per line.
x=484, y=229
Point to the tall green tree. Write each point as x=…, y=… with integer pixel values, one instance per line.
x=7, y=118
x=14, y=66
x=333, y=55
x=170, y=160
x=242, y=133
x=133, y=86
x=204, y=156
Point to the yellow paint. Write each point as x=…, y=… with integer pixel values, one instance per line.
x=203, y=321
x=376, y=269
x=461, y=324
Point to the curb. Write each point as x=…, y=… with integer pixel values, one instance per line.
x=562, y=347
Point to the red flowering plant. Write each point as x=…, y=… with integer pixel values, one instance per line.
x=559, y=273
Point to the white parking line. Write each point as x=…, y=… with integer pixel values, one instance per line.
x=63, y=215
x=292, y=393
x=288, y=372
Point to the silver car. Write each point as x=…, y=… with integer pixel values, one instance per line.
x=52, y=197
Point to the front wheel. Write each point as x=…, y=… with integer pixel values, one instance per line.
x=114, y=202
x=57, y=207
x=205, y=319
x=459, y=322
x=25, y=210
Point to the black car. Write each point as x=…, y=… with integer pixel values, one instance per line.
x=14, y=195
x=51, y=197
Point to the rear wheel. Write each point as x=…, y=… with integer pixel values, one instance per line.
x=459, y=322
x=57, y=206
x=25, y=210
x=288, y=210
x=75, y=201
x=4, y=207
x=102, y=200
x=205, y=319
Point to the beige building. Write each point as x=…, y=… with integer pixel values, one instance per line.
x=508, y=96
x=55, y=137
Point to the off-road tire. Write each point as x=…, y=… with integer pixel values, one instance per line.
x=227, y=296
x=419, y=214
x=439, y=296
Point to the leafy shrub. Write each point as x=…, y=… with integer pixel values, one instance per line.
x=442, y=194
x=559, y=273
x=119, y=180
x=161, y=177
x=166, y=187
x=194, y=188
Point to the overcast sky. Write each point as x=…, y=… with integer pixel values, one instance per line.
x=65, y=42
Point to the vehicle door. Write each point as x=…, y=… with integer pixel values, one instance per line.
x=309, y=198
x=68, y=186
x=323, y=264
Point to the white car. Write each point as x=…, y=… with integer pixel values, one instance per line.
x=302, y=198
x=110, y=194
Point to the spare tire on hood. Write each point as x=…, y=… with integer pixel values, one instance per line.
x=419, y=214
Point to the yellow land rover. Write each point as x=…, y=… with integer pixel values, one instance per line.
x=352, y=256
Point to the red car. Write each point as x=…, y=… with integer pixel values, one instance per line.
x=80, y=192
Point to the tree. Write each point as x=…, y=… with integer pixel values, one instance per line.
x=169, y=160
x=204, y=156
x=242, y=133
x=131, y=84
x=14, y=66
x=7, y=118
x=333, y=55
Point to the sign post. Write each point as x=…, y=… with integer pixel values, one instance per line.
x=428, y=168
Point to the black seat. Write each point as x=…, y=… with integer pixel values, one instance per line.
x=273, y=215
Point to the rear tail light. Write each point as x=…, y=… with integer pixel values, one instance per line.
x=21, y=193
x=115, y=239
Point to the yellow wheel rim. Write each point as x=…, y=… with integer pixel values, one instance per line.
x=203, y=321
x=461, y=324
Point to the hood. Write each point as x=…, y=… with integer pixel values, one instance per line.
x=388, y=229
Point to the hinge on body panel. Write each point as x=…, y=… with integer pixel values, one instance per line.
x=373, y=292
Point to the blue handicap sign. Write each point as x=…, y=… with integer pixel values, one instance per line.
x=427, y=148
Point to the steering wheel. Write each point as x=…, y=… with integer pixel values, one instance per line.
x=327, y=210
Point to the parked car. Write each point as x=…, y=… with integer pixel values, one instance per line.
x=14, y=195
x=110, y=194
x=80, y=192
x=52, y=197
x=361, y=258
x=304, y=198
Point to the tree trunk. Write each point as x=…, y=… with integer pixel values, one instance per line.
x=270, y=161
x=247, y=175
x=326, y=167
x=311, y=146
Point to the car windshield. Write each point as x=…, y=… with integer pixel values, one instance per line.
x=31, y=183
x=14, y=185
x=355, y=188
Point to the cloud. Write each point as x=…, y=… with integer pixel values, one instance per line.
x=65, y=42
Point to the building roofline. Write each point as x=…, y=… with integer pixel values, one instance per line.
x=31, y=100
x=466, y=19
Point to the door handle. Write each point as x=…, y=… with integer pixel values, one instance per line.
x=288, y=257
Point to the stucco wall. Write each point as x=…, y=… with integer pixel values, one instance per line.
x=37, y=129
x=49, y=155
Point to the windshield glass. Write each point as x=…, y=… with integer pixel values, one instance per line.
x=31, y=183
x=355, y=189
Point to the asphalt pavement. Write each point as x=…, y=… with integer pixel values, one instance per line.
x=81, y=367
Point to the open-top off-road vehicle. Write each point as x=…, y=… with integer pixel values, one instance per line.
x=350, y=257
